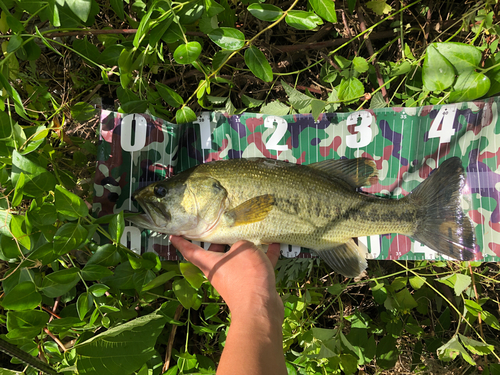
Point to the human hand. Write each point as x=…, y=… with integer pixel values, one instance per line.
x=244, y=276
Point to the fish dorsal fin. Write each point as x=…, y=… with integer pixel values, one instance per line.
x=347, y=259
x=252, y=210
x=356, y=172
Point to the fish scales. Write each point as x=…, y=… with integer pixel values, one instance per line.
x=310, y=210
x=315, y=206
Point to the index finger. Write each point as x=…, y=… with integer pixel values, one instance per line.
x=201, y=258
x=273, y=253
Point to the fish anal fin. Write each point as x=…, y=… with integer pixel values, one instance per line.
x=347, y=259
x=356, y=172
x=251, y=211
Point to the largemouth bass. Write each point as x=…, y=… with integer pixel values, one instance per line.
x=315, y=206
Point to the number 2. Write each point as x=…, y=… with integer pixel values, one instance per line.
x=279, y=133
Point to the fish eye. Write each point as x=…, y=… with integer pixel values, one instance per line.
x=160, y=191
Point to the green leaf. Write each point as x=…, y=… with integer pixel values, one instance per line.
x=18, y=102
x=303, y=20
x=15, y=42
x=265, y=12
x=117, y=6
x=469, y=86
x=44, y=254
x=82, y=112
x=38, y=180
x=317, y=107
x=87, y=49
x=464, y=58
x=185, y=293
x=16, y=227
x=106, y=255
x=93, y=272
x=377, y=101
x=159, y=280
x=131, y=344
x=258, y=64
x=437, y=72
x=27, y=323
x=490, y=319
x=69, y=237
x=350, y=89
x=473, y=307
x=275, y=108
x=360, y=64
x=449, y=351
x=187, y=53
x=251, y=102
x=457, y=281
x=60, y=282
x=159, y=29
x=83, y=305
x=417, y=282
x=46, y=214
x=297, y=99
x=98, y=290
x=192, y=274
x=228, y=38
x=81, y=8
x=18, y=192
x=325, y=9
x=5, y=125
x=22, y=297
x=169, y=95
x=117, y=226
x=379, y=7
x=476, y=347
x=387, y=352
x=185, y=114
x=135, y=106
x=70, y=204
x=5, y=218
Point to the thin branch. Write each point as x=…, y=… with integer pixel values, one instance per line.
x=369, y=47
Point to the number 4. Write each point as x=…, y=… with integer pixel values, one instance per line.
x=445, y=118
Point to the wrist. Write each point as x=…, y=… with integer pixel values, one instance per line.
x=261, y=309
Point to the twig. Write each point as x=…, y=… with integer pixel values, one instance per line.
x=369, y=46
x=171, y=338
x=61, y=345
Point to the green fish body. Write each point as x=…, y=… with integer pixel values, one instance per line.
x=316, y=206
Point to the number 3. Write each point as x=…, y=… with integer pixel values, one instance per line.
x=363, y=131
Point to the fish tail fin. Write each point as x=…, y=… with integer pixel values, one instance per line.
x=441, y=223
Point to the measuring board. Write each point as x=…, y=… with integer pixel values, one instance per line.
x=405, y=143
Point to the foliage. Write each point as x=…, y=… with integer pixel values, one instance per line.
x=82, y=306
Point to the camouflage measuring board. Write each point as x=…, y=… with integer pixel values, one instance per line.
x=405, y=143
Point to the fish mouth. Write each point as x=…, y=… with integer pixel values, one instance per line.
x=155, y=215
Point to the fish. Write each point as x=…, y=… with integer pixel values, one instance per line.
x=317, y=206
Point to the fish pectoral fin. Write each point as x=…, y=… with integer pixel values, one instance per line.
x=347, y=259
x=252, y=210
x=356, y=172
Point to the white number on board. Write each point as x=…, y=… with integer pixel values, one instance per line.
x=205, y=130
x=131, y=238
x=363, y=132
x=445, y=118
x=136, y=141
x=289, y=251
x=279, y=133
